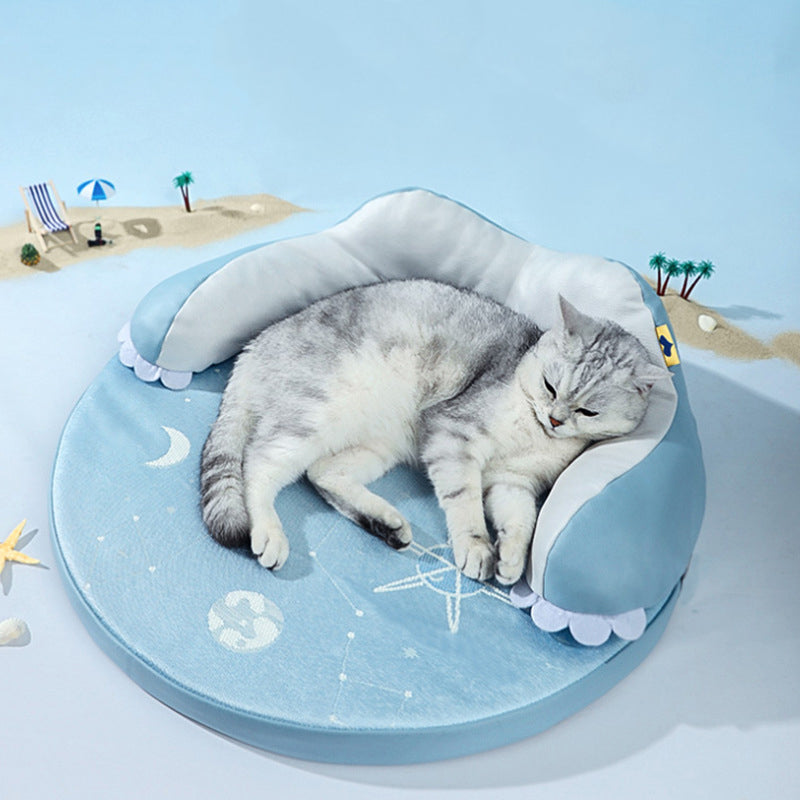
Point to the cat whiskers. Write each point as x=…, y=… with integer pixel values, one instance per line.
x=534, y=408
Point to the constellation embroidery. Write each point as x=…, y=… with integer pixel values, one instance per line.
x=436, y=570
x=345, y=678
x=313, y=553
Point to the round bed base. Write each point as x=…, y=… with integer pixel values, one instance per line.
x=352, y=653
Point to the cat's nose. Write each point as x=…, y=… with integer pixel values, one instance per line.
x=555, y=422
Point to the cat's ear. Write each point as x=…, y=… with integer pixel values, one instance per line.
x=572, y=321
x=646, y=375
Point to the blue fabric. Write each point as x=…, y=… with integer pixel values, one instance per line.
x=353, y=652
x=636, y=536
x=155, y=313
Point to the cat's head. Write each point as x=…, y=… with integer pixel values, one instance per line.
x=588, y=377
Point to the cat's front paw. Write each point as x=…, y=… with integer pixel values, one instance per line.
x=512, y=556
x=270, y=545
x=475, y=557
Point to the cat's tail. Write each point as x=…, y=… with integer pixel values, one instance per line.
x=222, y=479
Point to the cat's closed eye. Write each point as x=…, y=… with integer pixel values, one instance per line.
x=586, y=412
x=549, y=388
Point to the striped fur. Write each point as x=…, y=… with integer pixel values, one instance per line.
x=422, y=373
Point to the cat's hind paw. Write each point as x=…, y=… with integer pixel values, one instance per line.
x=270, y=545
x=392, y=528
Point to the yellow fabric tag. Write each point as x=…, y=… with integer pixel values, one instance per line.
x=668, y=348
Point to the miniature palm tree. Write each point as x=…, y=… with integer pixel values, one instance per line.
x=688, y=268
x=705, y=269
x=182, y=182
x=658, y=262
x=672, y=268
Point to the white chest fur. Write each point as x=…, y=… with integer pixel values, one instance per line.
x=518, y=451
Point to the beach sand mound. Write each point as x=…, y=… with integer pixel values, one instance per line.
x=787, y=345
x=127, y=228
x=725, y=339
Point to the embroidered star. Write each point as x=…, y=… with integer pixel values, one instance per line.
x=666, y=346
x=7, y=551
x=436, y=570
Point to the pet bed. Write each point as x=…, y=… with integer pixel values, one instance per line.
x=354, y=652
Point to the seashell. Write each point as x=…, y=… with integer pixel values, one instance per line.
x=706, y=323
x=11, y=629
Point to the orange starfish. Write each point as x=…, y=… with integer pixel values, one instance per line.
x=7, y=551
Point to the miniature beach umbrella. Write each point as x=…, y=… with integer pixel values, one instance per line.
x=97, y=189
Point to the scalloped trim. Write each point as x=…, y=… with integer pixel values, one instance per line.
x=143, y=369
x=588, y=629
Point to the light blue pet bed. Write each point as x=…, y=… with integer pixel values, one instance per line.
x=354, y=652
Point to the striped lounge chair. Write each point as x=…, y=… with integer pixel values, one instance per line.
x=49, y=214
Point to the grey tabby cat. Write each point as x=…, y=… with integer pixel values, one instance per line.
x=422, y=373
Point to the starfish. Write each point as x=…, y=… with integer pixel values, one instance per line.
x=7, y=551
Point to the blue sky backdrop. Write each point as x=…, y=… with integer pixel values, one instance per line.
x=618, y=128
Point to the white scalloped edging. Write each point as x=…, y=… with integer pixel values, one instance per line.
x=587, y=629
x=143, y=369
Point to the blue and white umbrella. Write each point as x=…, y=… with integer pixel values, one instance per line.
x=97, y=190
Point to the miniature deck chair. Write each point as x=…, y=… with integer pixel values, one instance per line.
x=50, y=215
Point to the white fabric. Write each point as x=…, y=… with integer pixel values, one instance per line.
x=587, y=629
x=409, y=234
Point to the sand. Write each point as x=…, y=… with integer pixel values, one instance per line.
x=134, y=227
x=212, y=220
x=726, y=339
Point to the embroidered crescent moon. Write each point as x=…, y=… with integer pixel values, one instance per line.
x=179, y=447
